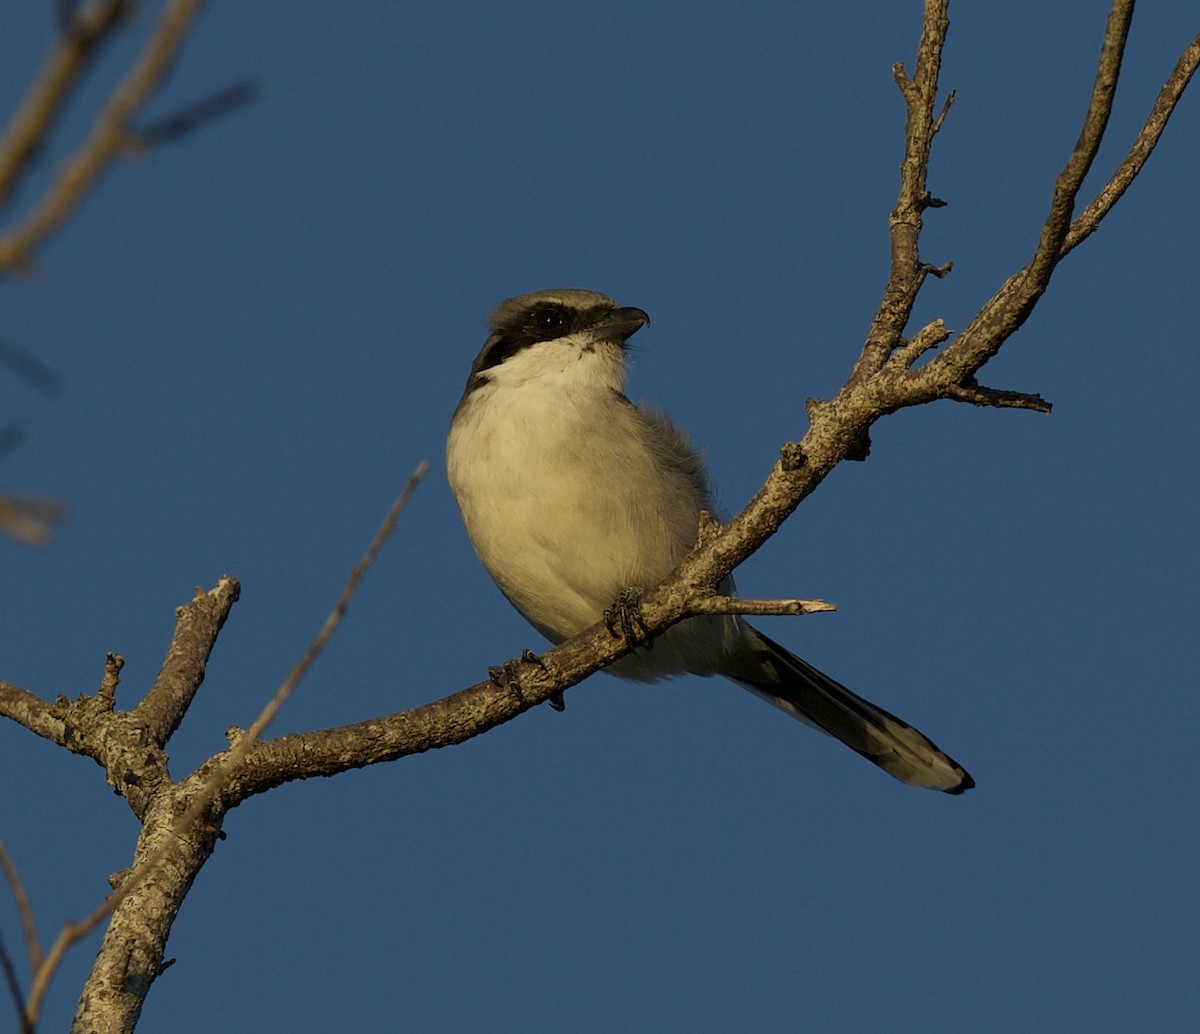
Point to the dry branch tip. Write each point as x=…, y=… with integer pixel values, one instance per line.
x=946, y=106
x=978, y=395
x=721, y=604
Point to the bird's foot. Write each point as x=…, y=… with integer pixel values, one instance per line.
x=624, y=619
x=508, y=676
x=555, y=700
x=529, y=657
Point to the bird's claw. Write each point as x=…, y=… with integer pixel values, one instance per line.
x=624, y=619
x=508, y=676
x=555, y=700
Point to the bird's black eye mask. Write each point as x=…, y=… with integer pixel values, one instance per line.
x=545, y=321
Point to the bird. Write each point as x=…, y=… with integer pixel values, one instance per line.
x=572, y=495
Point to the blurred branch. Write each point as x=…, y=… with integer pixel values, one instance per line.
x=29, y=368
x=84, y=26
x=11, y=436
x=110, y=135
x=33, y=949
x=29, y=519
x=14, y=984
x=82, y=32
x=190, y=118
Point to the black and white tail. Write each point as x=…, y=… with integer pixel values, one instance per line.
x=795, y=686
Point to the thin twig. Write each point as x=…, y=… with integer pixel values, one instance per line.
x=946, y=106
x=113, y=663
x=14, y=985
x=334, y=619
x=67, y=936
x=28, y=925
x=30, y=519
x=29, y=368
x=28, y=929
x=187, y=120
x=228, y=762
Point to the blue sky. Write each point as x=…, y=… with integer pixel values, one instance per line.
x=263, y=329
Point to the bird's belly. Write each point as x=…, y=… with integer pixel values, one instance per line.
x=555, y=518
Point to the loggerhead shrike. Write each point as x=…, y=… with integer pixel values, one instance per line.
x=572, y=494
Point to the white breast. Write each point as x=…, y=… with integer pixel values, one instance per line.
x=568, y=500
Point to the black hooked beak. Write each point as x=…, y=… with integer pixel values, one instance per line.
x=621, y=324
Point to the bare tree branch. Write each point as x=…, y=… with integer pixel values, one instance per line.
x=197, y=625
x=182, y=825
x=143, y=908
x=181, y=821
x=1141, y=150
x=1011, y=305
x=31, y=711
x=907, y=271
